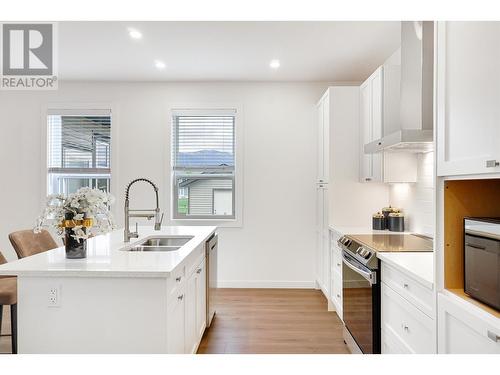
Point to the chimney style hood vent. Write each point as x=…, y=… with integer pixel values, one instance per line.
x=416, y=93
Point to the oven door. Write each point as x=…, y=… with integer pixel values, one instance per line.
x=361, y=304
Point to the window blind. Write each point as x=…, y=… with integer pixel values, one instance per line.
x=79, y=142
x=78, y=150
x=203, y=141
x=203, y=159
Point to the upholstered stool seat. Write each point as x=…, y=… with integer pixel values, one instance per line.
x=8, y=296
x=26, y=242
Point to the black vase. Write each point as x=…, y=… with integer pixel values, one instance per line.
x=75, y=249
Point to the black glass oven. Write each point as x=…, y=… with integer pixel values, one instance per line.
x=361, y=305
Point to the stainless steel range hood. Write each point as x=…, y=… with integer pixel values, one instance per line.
x=416, y=111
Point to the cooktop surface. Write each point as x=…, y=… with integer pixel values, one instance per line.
x=394, y=242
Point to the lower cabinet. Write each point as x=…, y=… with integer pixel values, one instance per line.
x=405, y=329
x=466, y=329
x=176, y=323
x=336, y=273
x=187, y=309
x=195, y=308
x=407, y=323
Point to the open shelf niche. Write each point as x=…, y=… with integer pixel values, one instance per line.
x=462, y=198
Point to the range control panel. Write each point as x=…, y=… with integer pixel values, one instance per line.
x=363, y=254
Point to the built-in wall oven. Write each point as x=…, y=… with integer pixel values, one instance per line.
x=482, y=260
x=361, y=297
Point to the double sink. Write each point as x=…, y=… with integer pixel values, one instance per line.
x=166, y=243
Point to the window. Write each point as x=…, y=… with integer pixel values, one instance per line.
x=79, y=150
x=203, y=164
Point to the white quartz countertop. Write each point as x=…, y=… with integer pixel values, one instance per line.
x=420, y=265
x=105, y=257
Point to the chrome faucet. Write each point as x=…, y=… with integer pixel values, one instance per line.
x=147, y=213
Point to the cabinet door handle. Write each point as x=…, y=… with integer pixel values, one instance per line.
x=338, y=264
x=405, y=327
x=338, y=295
x=181, y=297
x=493, y=336
x=492, y=163
x=405, y=285
x=368, y=179
x=178, y=279
x=198, y=270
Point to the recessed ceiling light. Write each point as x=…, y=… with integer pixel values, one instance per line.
x=160, y=64
x=134, y=33
x=275, y=64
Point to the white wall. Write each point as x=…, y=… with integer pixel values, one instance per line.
x=417, y=200
x=275, y=245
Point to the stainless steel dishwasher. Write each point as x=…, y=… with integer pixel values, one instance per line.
x=211, y=256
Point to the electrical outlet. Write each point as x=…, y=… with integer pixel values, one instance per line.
x=54, y=296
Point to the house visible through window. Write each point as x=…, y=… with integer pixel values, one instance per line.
x=203, y=164
x=78, y=150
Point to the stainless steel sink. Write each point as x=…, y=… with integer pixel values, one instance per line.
x=170, y=243
x=167, y=241
x=154, y=248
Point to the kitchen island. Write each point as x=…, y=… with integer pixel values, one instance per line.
x=115, y=300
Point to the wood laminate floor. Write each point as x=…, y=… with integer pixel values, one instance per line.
x=260, y=321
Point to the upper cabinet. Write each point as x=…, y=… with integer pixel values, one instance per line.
x=379, y=115
x=371, y=126
x=468, y=98
x=323, y=138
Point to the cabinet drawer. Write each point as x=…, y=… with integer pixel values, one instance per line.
x=337, y=286
x=176, y=280
x=466, y=329
x=392, y=344
x=337, y=260
x=407, y=323
x=418, y=294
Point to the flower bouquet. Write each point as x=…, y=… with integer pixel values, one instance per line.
x=77, y=217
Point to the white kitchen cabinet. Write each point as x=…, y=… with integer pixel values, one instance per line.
x=407, y=313
x=336, y=273
x=465, y=328
x=323, y=139
x=403, y=320
x=371, y=126
x=322, y=248
x=468, y=97
x=201, y=300
x=176, y=337
x=195, y=321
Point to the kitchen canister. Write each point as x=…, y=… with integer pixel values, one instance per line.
x=378, y=221
x=386, y=211
x=396, y=222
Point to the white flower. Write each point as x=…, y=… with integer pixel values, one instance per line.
x=84, y=203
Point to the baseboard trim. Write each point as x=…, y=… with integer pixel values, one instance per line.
x=266, y=284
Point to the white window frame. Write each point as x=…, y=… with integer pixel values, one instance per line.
x=207, y=110
x=78, y=108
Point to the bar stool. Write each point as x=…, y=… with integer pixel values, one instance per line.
x=8, y=296
x=26, y=242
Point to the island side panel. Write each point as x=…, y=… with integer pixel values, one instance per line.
x=92, y=315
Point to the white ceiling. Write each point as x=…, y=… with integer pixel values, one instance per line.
x=340, y=51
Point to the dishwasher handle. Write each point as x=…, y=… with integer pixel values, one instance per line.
x=368, y=275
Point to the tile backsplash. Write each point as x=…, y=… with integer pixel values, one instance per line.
x=417, y=199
